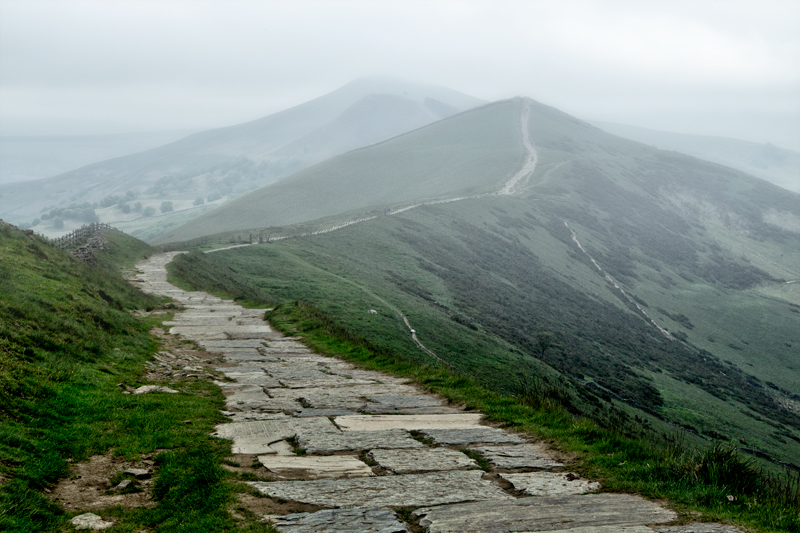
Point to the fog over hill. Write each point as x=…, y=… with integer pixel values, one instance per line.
x=766, y=161
x=644, y=275
x=220, y=164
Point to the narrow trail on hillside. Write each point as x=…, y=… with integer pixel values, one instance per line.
x=509, y=188
x=611, y=280
x=379, y=455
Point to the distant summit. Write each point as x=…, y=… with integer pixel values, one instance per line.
x=203, y=170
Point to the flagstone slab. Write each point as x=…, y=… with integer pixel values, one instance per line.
x=308, y=378
x=550, y=483
x=324, y=412
x=235, y=335
x=341, y=521
x=398, y=402
x=205, y=331
x=465, y=437
x=518, y=456
x=256, y=436
x=409, y=422
x=421, y=460
x=227, y=344
x=556, y=513
x=316, y=467
x=410, y=490
x=331, y=442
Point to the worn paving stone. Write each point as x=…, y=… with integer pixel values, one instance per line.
x=244, y=396
x=309, y=378
x=544, y=514
x=603, y=529
x=550, y=483
x=404, y=401
x=699, y=528
x=238, y=335
x=465, y=437
x=518, y=456
x=410, y=490
x=356, y=440
x=421, y=460
x=253, y=378
x=232, y=344
x=324, y=412
x=341, y=521
x=255, y=437
x=316, y=467
x=409, y=422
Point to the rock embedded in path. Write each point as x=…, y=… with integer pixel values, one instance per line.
x=550, y=483
x=408, y=422
x=614, y=511
x=255, y=437
x=518, y=456
x=411, y=490
x=421, y=460
x=478, y=435
x=90, y=521
x=341, y=521
x=332, y=442
x=316, y=467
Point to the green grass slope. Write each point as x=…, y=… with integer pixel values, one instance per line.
x=67, y=342
x=501, y=287
x=466, y=154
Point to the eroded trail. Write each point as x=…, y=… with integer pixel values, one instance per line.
x=361, y=462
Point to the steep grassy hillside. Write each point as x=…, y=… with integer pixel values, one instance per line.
x=224, y=163
x=643, y=275
x=468, y=154
x=766, y=161
x=69, y=347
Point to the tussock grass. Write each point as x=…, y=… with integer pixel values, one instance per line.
x=67, y=340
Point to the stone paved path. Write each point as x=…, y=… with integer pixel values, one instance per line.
x=375, y=443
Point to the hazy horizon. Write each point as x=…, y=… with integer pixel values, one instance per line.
x=727, y=69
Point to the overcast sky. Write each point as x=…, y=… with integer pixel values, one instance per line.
x=728, y=68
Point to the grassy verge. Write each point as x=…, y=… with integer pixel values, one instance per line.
x=718, y=483
x=67, y=340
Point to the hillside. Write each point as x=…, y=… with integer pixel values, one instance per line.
x=766, y=161
x=215, y=166
x=639, y=274
x=471, y=153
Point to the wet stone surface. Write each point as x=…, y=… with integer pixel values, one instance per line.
x=341, y=520
x=518, y=456
x=387, y=491
x=421, y=460
x=465, y=437
x=331, y=442
x=550, y=483
x=544, y=514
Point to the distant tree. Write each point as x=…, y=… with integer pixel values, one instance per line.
x=199, y=201
x=58, y=223
x=166, y=206
x=125, y=208
x=35, y=221
x=137, y=207
x=149, y=211
x=130, y=195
